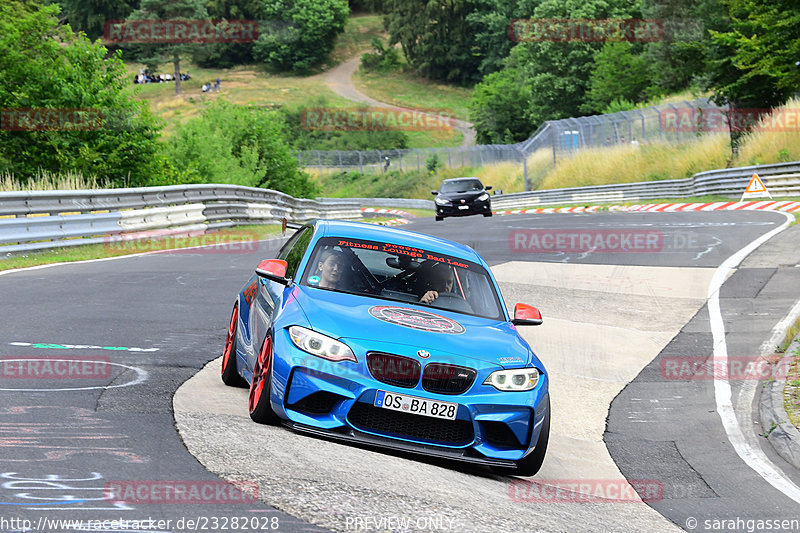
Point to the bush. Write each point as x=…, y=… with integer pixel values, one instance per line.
x=385, y=58
x=238, y=145
x=302, y=34
x=433, y=163
x=45, y=65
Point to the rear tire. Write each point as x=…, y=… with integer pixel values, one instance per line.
x=230, y=375
x=530, y=465
x=260, y=389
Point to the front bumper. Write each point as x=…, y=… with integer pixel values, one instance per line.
x=336, y=400
x=460, y=210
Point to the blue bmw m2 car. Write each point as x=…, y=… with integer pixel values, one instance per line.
x=393, y=339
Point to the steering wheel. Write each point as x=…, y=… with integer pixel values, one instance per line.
x=452, y=302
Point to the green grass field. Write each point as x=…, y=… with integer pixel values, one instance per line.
x=408, y=90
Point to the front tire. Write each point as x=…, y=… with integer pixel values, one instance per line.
x=230, y=375
x=258, y=401
x=439, y=219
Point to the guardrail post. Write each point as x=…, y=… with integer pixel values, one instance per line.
x=525, y=172
x=360, y=162
x=677, y=121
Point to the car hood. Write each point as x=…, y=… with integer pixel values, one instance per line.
x=457, y=196
x=341, y=315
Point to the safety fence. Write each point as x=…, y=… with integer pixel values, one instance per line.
x=553, y=140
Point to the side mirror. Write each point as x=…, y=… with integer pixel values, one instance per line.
x=434, y=193
x=526, y=315
x=488, y=187
x=273, y=270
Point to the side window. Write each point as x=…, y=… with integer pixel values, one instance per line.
x=294, y=251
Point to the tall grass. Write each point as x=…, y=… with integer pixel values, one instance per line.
x=773, y=144
x=50, y=181
x=628, y=163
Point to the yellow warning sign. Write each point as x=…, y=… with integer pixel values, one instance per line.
x=755, y=189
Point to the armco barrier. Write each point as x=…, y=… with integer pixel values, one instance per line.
x=48, y=219
x=782, y=179
x=38, y=220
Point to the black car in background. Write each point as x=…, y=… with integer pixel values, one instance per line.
x=462, y=196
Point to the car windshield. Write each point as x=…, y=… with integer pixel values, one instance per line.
x=401, y=273
x=461, y=186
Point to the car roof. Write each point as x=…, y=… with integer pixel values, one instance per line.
x=375, y=232
x=460, y=179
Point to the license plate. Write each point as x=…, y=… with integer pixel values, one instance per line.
x=463, y=207
x=415, y=405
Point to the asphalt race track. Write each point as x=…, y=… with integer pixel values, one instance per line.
x=94, y=441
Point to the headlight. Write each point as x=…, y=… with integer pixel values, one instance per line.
x=519, y=379
x=441, y=201
x=320, y=345
x=483, y=197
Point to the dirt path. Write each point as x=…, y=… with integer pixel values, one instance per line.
x=340, y=80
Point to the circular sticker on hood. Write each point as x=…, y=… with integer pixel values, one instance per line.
x=416, y=319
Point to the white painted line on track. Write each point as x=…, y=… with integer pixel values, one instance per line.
x=141, y=375
x=752, y=456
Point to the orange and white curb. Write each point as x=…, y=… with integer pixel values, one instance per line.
x=787, y=206
x=404, y=217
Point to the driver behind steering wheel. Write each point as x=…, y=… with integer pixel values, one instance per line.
x=440, y=280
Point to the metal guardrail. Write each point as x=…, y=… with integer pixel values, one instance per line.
x=782, y=179
x=38, y=220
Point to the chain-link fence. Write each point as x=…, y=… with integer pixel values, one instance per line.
x=554, y=139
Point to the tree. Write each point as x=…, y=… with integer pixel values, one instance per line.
x=300, y=33
x=497, y=105
x=437, y=37
x=226, y=55
x=753, y=63
x=765, y=36
x=240, y=145
x=90, y=16
x=551, y=77
x=680, y=58
x=96, y=128
x=155, y=54
x=618, y=74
